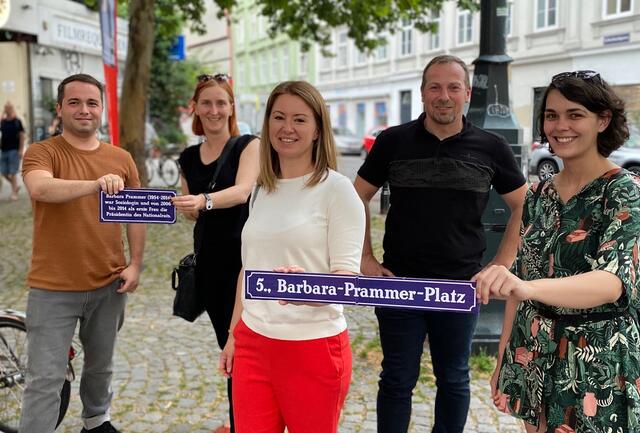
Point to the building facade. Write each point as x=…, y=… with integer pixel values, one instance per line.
x=49, y=40
x=544, y=37
x=240, y=46
x=260, y=61
x=212, y=49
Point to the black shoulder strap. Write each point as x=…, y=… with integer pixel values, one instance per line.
x=229, y=145
x=538, y=191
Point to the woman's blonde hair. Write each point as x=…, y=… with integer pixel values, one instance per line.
x=196, y=123
x=324, y=148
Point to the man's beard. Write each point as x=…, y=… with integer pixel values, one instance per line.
x=443, y=119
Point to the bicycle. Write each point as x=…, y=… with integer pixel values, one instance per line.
x=163, y=166
x=13, y=371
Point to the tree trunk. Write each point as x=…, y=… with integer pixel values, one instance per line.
x=135, y=86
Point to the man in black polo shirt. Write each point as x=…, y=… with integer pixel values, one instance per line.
x=11, y=147
x=440, y=169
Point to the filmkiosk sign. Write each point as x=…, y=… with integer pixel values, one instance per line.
x=443, y=295
x=83, y=35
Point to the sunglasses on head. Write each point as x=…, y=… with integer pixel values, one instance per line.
x=218, y=77
x=583, y=75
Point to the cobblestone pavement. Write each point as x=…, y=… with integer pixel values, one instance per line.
x=165, y=379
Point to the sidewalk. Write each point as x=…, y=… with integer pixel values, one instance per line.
x=165, y=368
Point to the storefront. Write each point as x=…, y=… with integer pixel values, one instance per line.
x=52, y=40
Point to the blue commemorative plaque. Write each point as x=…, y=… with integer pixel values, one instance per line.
x=141, y=205
x=440, y=295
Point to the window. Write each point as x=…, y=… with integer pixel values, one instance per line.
x=253, y=26
x=432, y=40
x=342, y=115
x=240, y=32
x=327, y=62
x=405, y=106
x=240, y=73
x=546, y=14
x=285, y=62
x=406, y=38
x=361, y=57
x=275, y=65
x=508, y=26
x=264, y=69
x=465, y=27
x=360, y=118
x=380, y=109
x=254, y=74
x=304, y=63
x=343, y=49
x=615, y=8
x=382, y=51
x=260, y=32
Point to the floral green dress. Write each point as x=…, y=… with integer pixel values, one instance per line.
x=584, y=373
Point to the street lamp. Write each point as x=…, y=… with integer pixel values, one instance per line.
x=489, y=109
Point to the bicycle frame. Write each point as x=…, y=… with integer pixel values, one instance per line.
x=13, y=314
x=13, y=377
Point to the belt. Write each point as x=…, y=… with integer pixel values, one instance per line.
x=581, y=318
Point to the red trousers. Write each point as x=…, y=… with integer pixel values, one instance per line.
x=298, y=384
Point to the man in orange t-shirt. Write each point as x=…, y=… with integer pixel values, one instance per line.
x=78, y=273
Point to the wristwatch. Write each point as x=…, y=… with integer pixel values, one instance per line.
x=208, y=203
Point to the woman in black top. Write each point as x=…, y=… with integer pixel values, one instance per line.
x=219, y=214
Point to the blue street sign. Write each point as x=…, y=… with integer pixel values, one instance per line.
x=177, y=51
x=616, y=39
x=141, y=205
x=438, y=295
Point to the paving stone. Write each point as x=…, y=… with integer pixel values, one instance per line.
x=165, y=378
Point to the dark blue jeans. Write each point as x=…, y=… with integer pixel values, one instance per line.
x=402, y=335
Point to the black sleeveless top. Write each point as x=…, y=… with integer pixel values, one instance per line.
x=220, y=225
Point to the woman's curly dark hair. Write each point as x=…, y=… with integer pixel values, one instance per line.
x=597, y=96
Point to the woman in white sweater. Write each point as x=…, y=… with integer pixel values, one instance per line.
x=291, y=364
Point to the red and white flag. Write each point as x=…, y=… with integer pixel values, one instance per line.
x=108, y=21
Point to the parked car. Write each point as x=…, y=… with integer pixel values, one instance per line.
x=370, y=137
x=346, y=141
x=544, y=164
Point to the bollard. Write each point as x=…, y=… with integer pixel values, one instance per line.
x=384, y=199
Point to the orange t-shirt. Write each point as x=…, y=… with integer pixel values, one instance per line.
x=72, y=249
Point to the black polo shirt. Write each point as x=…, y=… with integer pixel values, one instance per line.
x=439, y=190
x=10, y=129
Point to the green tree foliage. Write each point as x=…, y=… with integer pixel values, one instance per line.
x=171, y=85
x=304, y=20
x=312, y=20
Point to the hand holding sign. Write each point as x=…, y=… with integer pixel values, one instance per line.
x=294, y=269
x=110, y=183
x=496, y=281
x=371, y=267
x=188, y=204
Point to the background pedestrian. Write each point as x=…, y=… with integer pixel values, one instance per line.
x=11, y=147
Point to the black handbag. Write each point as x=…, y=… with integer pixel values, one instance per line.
x=188, y=302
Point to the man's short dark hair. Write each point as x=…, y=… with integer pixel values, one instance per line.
x=85, y=78
x=443, y=59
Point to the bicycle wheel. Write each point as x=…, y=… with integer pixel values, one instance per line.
x=13, y=366
x=150, y=164
x=169, y=171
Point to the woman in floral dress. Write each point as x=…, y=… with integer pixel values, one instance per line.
x=569, y=356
